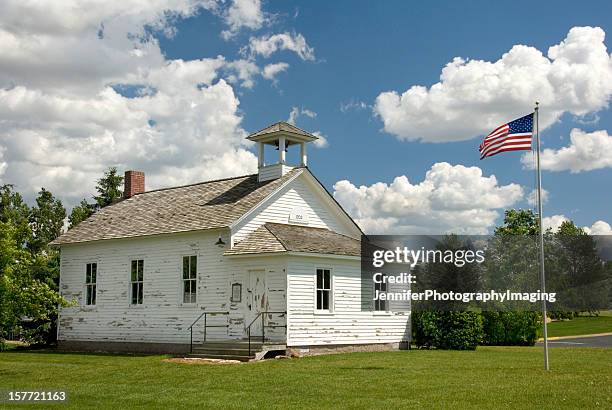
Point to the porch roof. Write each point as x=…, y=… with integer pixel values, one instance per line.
x=276, y=238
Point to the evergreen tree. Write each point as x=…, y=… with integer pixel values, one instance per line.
x=109, y=188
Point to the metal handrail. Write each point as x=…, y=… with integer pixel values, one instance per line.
x=205, y=314
x=263, y=325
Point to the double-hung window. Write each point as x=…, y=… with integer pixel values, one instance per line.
x=190, y=278
x=136, y=281
x=91, y=272
x=381, y=305
x=324, y=290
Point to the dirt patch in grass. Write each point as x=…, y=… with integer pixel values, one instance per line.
x=199, y=360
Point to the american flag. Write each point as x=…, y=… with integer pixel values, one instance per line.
x=513, y=136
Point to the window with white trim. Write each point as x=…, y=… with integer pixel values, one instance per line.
x=91, y=273
x=136, y=281
x=381, y=287
x=324, y=291
x=190, y=276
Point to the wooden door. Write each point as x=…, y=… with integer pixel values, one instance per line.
x=258, y=300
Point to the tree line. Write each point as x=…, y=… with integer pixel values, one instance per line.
x=29, y=267
x=575, y=272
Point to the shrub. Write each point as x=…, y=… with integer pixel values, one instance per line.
x=454, y=330
x=425, y=328
x=561, y=314
x=511, y=328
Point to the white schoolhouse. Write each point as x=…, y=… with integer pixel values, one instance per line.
x=202, y=267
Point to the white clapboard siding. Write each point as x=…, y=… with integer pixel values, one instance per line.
x=274, y=171
x=162, y=318
x=298, y=194
x=347, y=323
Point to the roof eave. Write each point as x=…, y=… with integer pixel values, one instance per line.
x=273, y=136
x=291, y=253
x=62, y=243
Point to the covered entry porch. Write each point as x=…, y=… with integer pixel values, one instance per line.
x=252, y=315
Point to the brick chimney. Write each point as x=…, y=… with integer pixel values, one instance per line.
x=134, y=183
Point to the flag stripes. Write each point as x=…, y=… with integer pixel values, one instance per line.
x=513, y=136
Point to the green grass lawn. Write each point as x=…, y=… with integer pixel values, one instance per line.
x=491, y=377
x=582, y=325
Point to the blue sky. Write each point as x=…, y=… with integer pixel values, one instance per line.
x=362, y=49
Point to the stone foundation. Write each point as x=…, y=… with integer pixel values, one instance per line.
x=301, y=351
x=122, y=347
x=179, y=349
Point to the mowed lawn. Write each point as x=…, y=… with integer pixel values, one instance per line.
x=582, y=325
x=491, y=377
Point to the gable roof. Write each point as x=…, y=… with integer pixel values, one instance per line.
x=275, y=237
x=207, y=205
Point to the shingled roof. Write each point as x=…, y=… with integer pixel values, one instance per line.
x=207, y=205
x=282, y=126
x=275, y=237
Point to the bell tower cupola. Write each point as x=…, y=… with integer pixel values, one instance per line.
x=281, y=136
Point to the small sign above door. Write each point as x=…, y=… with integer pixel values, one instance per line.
x=298, y=216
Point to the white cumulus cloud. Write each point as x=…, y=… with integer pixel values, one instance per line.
x=270, y=71
x=84, y=86
x=597, y=228
x=554, y=222
x=475, y=96
x=451, y=198
x=267, y=45
x=587, y=151
x=322, y=142
x=242, y=72
x=243, y=14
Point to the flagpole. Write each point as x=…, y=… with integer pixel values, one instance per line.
x=536, y=115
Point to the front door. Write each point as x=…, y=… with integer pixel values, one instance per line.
x=257, y=300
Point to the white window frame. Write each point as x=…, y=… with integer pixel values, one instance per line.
x=137, y=282
x=183, y=280
x=383, y=287
x=89, y=284
x=330, y=308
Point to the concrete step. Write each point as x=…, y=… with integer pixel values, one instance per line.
x=234, y=349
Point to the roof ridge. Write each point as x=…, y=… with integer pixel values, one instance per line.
x=194, y=184
x=273, y=234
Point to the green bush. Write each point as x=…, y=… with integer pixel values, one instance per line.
x=453, y=330
x=562, y=314
x=511, y=328
x=426, y=331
